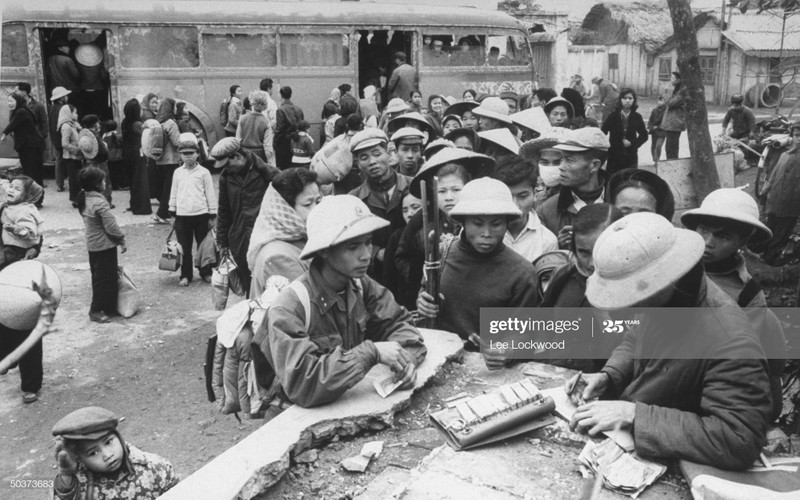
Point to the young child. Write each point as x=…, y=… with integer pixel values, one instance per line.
x=654, y=127
x=194, y=203
x=94, y=462
x=103, y=235
x=302, y=146
x=95, y=152
x=21, y=221
x=113, y=141
x=728, y=220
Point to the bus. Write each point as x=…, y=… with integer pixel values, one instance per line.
x=193, y=51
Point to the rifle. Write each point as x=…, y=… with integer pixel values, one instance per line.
x=430, y=231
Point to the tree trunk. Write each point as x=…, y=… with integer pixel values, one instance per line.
x=704, y=171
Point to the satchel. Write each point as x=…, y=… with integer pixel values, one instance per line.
x=171, y=254
x=219, y=283
x=235, y=280
x=206, y=255
x=128, y=296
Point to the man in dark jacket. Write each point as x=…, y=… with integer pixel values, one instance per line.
x=241, y=188
x=382, y=190
x=744, y=121
x=690, y=384
x=674, y=121
x=286, y=119
x=582, y=182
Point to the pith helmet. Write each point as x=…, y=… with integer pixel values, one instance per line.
x=638, y=256
x=337, y=219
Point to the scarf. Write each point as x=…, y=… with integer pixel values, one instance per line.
x=166, y=110
x=277, y=221
x=335, y=95
x=589, y=196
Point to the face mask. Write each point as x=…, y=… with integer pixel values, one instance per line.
x=550, y=175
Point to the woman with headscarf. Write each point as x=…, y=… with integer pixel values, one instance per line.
x=149, y=107
x=279, y=233
x=149, y=111
x=28, y=142
x=170, y=158
x=329, y=115
x=132, y=158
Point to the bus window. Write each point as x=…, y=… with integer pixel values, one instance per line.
x=159, y=47
x=315, y=50
x=239, y=50
x=436, y=49
x=15, y=46
x=508, y=50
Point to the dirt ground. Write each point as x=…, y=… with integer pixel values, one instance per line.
x=149, y=370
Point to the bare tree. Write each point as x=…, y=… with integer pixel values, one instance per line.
x=704, y=171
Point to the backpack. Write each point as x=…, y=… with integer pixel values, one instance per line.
x=223, y=112
x=152, y=139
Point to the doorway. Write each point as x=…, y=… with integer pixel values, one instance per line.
x=77, y=59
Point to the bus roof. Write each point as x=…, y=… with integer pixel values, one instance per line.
x=350, y=13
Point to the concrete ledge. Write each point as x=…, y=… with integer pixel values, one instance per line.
x=258, y=461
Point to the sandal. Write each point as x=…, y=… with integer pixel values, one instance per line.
x=30, y=397
x=159, y=220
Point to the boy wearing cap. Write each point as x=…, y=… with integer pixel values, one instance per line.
x=728, y=220
x=690, y=385
x=584, y=152
x=194, y=202
x=382, y=191
x=478, y=269
x=526, y=235
x=334, y=323
x=744, y=121
x=408, y=142
x=94, y=461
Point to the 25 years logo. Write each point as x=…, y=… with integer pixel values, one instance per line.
x=618, y=325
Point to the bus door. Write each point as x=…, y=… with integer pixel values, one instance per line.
x=77, y=58
x=376, y=50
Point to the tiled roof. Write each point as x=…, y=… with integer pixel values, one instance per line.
x=760, y=34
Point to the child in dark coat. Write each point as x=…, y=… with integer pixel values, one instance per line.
x=103, y=235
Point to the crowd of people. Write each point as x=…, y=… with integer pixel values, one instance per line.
x=538, y=206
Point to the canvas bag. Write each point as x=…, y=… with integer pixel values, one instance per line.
x=128, y=296
x=153, y=140
x=207, y=251
x=219, y=282
x=171, y=254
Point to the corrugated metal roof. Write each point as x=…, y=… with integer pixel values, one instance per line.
x=238, y=12
x=760, y=34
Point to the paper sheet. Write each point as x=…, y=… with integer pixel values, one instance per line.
x=565, y=408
